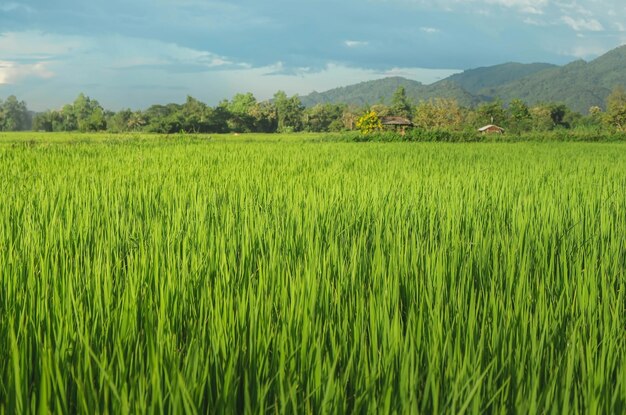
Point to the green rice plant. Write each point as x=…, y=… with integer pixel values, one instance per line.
x=285, y=274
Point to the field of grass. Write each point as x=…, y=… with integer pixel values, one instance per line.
x=291, y=275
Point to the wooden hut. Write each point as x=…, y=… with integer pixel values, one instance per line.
x=397, y=123
x=491, y=129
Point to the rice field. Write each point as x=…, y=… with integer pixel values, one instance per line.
x=288, y=274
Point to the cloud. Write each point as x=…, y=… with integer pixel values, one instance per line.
x=218, y=47
x=535, y=22
x=425, y=76
x=12, y=72
x=524, y=6
x=355, y=43
x=581, y=24
x=15, y=7
x=482, y=6
x=585, y=51
x=33, y=45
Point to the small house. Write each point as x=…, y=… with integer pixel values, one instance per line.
x=396, y=123
x=491, y=129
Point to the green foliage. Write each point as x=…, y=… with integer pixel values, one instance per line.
x=400, y=105
x=579, y=85
x=368, y=123
x=490, y=113
x=14, y=115
x=326, y=117
x=519, y=118
x=125, y=121
x=240, y=108
x=289, y=112
x=438, y=113
x=381, y=91
x=151, y=274
x=616, y=109
x=481, y=80
x=87, y=114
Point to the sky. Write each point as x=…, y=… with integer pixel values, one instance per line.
x=135, y=53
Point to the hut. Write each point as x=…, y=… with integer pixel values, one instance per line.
x=397, y=123
x=491, y=129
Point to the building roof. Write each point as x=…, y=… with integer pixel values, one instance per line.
x=396, y=121
x=490, y=127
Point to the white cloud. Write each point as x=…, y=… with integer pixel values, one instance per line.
x=12, y=72
x=119, y=70
x=31, y=44
x=582, y=24
x=573, y=7
x=448, y=5
x=535, y=22
x=585, y=51
x=13, y=6
x=355, y=43
x=43, y=47
x=430, y=30
x=524, y=6
x=426, y=76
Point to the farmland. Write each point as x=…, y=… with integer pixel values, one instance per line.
x=291, y=274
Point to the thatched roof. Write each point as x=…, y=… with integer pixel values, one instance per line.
x=491, y=129
x=401, y=121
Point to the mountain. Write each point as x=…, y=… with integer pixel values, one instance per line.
x=369, y=92
x=579, y=85
x=465, y=87
x=381, y=91
x=476, y=80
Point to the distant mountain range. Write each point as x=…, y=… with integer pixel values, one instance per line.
x=579, y=85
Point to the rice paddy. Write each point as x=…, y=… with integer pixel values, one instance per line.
x=280, y=274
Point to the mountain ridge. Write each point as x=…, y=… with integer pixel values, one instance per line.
x=578, y=84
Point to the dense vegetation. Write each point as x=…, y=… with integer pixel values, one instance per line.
x=478, y=81
x=283, y=274
x=380, y=91
x=579, y=85
x=244, y=114
x=521, y=98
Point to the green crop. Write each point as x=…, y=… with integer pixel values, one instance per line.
x=286, y=275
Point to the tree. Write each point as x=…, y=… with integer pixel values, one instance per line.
x=44, y=121
x=400, y=105
x=240, y=108
x=289, y=112
x=88, y=114
x=193, y=115
x=349, y=117
x=491, y=113
x=594, y=119
x=558, y=114
x=14, y=115
x=616, y=109
x=381, y=110
x=519, y=116
x=323, y=117
x=369, y=123
x=125, y=120
x=265, y=118
x=166, y=119
x=438, y=113
x=546, y=117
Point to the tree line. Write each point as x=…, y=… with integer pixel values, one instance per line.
x=244, y=113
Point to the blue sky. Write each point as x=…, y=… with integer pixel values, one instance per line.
x=133, y=53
